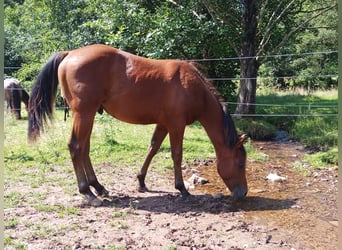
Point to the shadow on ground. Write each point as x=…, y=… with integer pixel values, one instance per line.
x=174, y=203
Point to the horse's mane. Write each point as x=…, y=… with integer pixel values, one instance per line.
x=229, y=129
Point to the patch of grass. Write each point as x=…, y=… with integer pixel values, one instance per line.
x=61, y=210
x=42, y=231
x=119, y=214
x=16, y=244
x=318, y=133
x=300, y=167
x=171, y=247
x=11, y=223
x=46, y=208
x=255, y=154
x=115, y=247
x=13, y=199
x=66, y=211
x=323, y=159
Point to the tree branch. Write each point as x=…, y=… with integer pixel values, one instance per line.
x=303, y=26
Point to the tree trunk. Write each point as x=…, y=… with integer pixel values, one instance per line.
x=247, y=92
x=248, y=62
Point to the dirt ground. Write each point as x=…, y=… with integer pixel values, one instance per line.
x=299, y=212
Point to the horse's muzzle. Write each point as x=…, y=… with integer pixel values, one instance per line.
x=239, y=193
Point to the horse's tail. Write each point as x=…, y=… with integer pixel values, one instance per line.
x=43, y=96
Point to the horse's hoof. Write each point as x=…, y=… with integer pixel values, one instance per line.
x=188, y=197
x=142, y=189
x=95, y=202
x=104, y=193
x=185, y=193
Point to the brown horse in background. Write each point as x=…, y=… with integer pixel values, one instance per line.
x=168, y=93
x=14, y=95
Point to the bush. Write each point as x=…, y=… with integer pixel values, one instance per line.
x=256, y=129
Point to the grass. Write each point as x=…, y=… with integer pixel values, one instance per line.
x=111, y=141
x=316, y=133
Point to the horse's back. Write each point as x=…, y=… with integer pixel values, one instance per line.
x=11, y=82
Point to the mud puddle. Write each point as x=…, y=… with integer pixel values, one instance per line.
x=300, y=209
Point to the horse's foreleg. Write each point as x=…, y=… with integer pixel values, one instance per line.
x=176, y=140
x=159, y=135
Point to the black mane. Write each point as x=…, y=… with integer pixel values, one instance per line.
x=229, y=129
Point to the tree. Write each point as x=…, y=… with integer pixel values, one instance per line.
x=178, y=29
x=263, y=27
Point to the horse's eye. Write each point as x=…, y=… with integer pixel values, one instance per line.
x=241, y=165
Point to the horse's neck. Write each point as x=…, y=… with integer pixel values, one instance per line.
x=212, y=121
x=24, y=96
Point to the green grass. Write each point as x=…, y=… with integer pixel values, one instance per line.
x=316, y=133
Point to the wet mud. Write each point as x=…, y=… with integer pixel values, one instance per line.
x=301, y=209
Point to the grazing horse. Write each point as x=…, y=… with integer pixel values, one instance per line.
x=133, y=89
x=14, y=95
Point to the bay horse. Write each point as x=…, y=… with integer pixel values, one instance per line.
x=14, y=95
x=138, y=90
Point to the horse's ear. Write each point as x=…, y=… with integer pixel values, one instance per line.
x=242, y=140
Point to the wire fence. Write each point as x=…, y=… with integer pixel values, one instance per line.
x=264, y=56
x=304, y=110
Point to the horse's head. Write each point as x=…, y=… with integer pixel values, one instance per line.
x=232, y=169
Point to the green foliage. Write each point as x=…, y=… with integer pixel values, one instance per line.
x=256, y=129
x=317, y=134
x=316, y=22
x=175, y=29
x=321, y=159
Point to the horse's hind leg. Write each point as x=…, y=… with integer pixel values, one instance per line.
x=176, y=141
x=159, y=135
x=91, y=176
x=79, y=146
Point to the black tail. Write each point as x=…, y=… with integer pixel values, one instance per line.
x=43, y=96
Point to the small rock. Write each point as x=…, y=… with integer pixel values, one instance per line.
x=218, y=196
x=275, y=177
x=194, y=171
x=264, y=155
x=197, y=180
x=334, y=223
x=268, y=238
x=188, y=185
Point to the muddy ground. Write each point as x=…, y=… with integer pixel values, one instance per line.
x=299, y=212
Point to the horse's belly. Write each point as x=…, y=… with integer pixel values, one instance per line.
x=133, y=114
